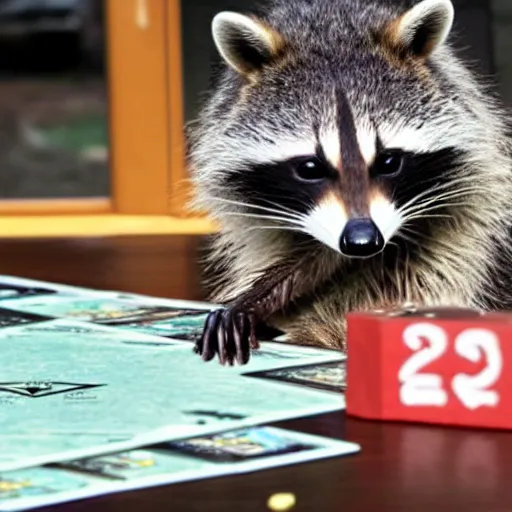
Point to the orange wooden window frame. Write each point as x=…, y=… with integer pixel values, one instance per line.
x=147, y=168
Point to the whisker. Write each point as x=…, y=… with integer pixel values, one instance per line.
x=428, y=201
x=265, y=217
x=408, y=238
x=432, y=207
x=255, y=206
x=283, y=228
x=317, y=225
x=438, y=186
x=292, y=219
x=452, y=182
x=415, y=200
x=416, y=232
x=428, y=216
x=462, y=190
x=446, y=195
x=390, y=242
x=281, y=207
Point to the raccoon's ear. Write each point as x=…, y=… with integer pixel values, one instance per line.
x=245, y=43
x=424, y=28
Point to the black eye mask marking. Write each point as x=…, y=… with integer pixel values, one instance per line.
x=423, y=171
x=296, y=184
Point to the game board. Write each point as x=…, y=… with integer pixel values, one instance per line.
x=232, y=452
x=84, y=374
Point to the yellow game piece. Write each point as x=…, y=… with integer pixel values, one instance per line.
x=281, y=502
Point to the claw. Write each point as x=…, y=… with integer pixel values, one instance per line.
x=241, y=338
x=221, y=339
x=207, y=345
x=230, y=346
x=229, y=333
x=253, y=342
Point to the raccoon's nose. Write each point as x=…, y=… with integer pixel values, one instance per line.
x=361, y=238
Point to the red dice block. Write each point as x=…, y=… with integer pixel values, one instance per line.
x=440, y=366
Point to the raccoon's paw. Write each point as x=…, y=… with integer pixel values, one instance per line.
x=229, y=334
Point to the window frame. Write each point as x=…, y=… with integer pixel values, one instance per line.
x=148, y=176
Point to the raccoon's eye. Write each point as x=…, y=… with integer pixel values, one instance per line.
x=311, y=170
x=388, y=163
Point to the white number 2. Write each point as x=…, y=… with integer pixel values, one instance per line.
x=426, y=389
x=423, y=388
x=472, y=390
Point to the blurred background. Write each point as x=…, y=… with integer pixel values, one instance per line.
x=54, y=102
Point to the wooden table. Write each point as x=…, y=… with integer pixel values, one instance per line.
x=401, y=467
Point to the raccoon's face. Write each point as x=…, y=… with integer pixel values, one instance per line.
x=340, y=146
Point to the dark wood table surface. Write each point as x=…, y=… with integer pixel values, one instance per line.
x=401, y=467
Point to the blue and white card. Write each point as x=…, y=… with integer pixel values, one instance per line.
x=226, y=453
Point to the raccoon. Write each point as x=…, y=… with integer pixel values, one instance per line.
x=352, y=161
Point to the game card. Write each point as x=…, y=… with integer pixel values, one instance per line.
x=9, y=318
x=136, y=464
x=10, y=291
x=95, y=309
x=37, y=483
x=36, y=487
x=230, y=452
x=282, y=356
x=32, y=284
x=86, y=373
x=238, y=445
x=69, y=390
x=67, y=290
x=328, y=376
x=83, y=333
x=179, y=324
x=182, y=324
x=148, y=299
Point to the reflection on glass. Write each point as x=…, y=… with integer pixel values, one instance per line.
x=53, y=102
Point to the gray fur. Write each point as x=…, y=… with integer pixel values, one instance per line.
x=333, y=46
